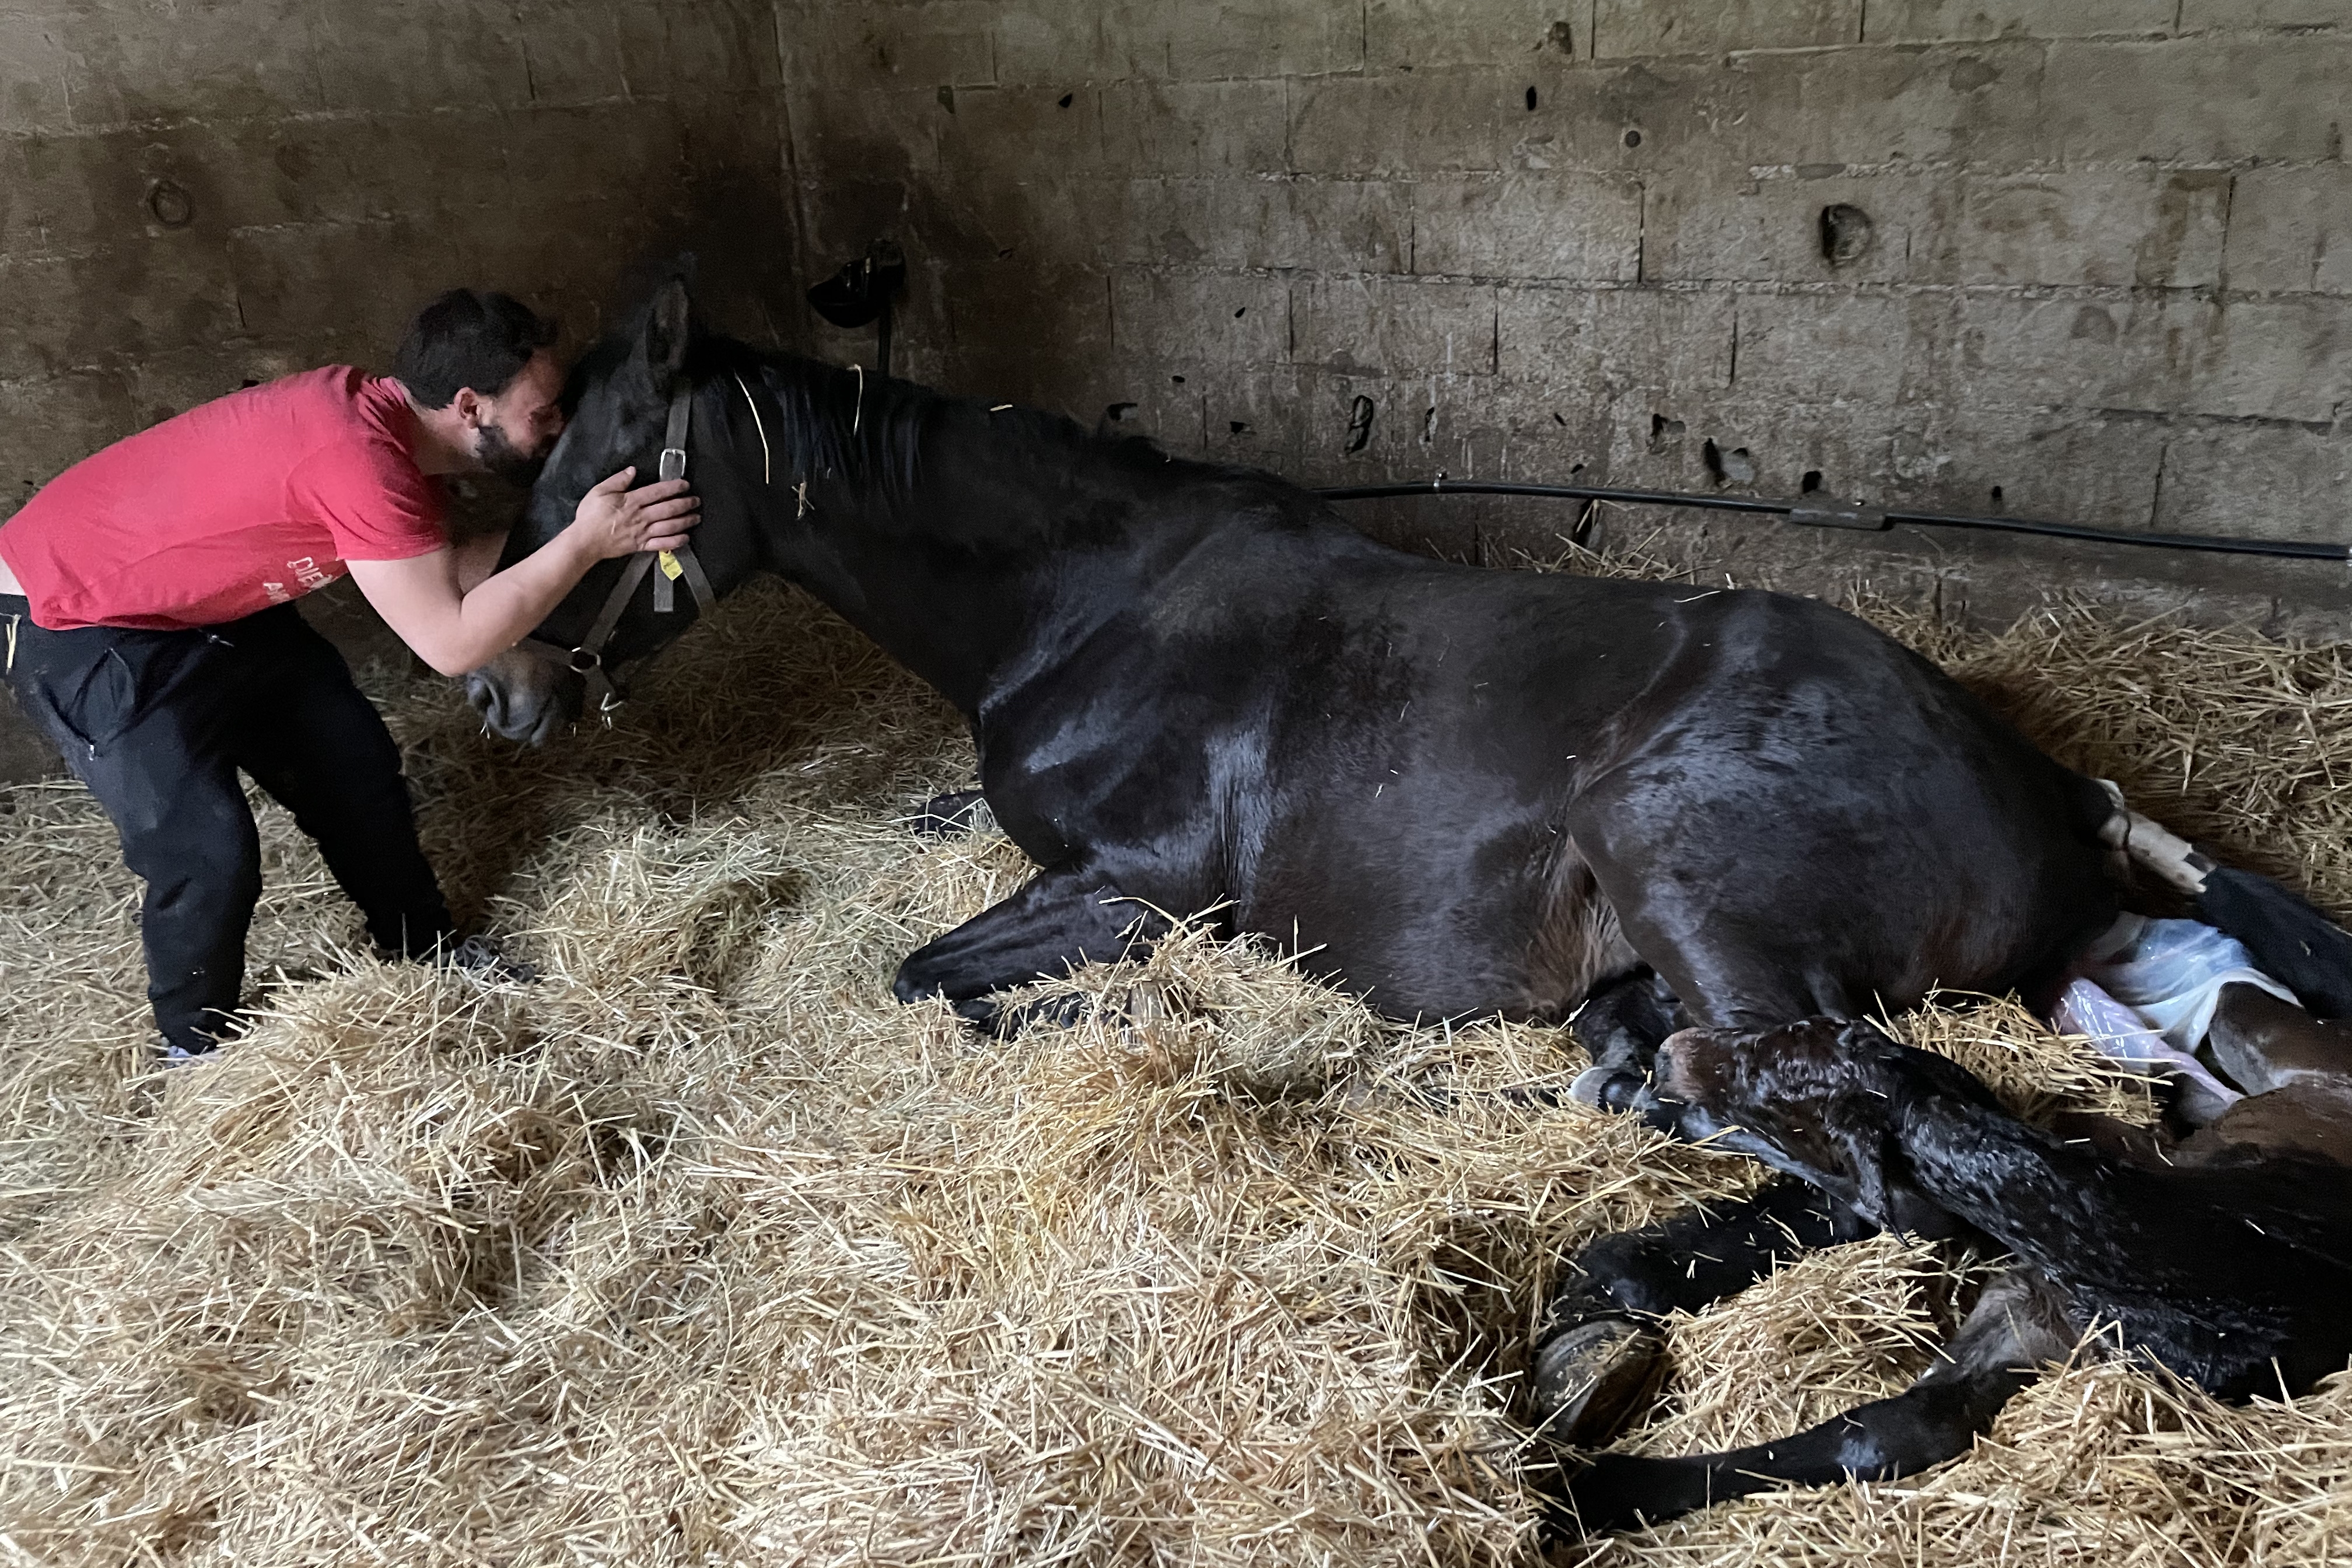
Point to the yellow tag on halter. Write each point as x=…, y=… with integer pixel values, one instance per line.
x=670, y=568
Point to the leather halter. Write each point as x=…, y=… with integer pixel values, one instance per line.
x=586, y=658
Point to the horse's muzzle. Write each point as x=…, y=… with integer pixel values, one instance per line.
x=524, y=695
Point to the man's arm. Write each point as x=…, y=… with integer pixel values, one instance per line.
x=455, y=628
x=478, y=557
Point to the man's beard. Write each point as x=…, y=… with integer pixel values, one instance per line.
x=504, y=458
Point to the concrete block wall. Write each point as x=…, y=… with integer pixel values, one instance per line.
x=2105, y=277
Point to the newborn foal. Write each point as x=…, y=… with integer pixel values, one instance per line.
x=2226, y=1259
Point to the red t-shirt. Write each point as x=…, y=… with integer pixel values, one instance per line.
x=235, y=505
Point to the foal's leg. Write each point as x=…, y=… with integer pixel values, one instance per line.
x=2018, y=1324
x=1621, y=1025
x=1058, y=919
x=1600, y=1353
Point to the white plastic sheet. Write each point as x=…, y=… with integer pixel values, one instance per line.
x=2145, y=993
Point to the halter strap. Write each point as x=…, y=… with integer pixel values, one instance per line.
x=586, y=657
x=679, y=562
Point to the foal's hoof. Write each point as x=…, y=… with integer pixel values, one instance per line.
x=1606, y=1088
x=1627, y=1093
x=956, y=812
x=1591, y=1380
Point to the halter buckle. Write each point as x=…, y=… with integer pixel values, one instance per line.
x=595, y=661
x=673, y=463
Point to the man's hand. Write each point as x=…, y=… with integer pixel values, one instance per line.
x=456, y=626
x=614, y=519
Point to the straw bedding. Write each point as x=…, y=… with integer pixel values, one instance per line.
x=704, y=1251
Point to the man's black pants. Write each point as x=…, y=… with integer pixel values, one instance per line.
x=158, y=723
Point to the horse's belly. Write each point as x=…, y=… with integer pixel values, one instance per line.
x=1508, y=920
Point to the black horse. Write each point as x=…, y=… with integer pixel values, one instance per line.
x=1465, y=791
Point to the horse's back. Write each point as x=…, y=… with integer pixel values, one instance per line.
x=1461, y=785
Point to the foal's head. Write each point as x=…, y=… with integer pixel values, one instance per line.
x=1830, y=1097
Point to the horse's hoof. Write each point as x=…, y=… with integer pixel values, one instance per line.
x=1607, y=1087
x=956, y=812
x=1591, y=1379
x=1004, y=1021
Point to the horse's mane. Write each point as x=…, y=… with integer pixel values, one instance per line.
x=838, y=422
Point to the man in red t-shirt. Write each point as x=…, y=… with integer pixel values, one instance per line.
x=146, y=596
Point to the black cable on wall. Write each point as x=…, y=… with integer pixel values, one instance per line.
x=1818, y=513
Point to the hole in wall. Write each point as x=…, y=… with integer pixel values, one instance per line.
x=1531, y=100
x=1360, y=423
x=1729, y=466
x=1996, y=495
x=1559, y=420
x=1237, y=426
x=169, y=204
x=1846, y=233
x=1118, y=411
x=1428, y=426
x=1663, y=430
x=1561, y=37
x=1633, y=139
x=1063, y=101
x=1177, y=379
x=1811, y=482
x=947, y=98
x=1240, y=313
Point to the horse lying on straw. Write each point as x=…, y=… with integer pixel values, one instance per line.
x=1464, y=792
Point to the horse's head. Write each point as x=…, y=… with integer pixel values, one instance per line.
x=1829, y=1099
x=617, y=405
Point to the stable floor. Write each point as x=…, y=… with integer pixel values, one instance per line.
x=702, y=1250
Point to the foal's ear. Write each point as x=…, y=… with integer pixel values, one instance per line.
x=670, y=327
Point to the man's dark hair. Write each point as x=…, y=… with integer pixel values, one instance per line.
x=468, y=337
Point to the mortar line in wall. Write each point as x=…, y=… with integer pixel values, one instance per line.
x=1641, y=230
x=2106, y=293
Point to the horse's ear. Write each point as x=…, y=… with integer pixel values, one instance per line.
x=669, y=327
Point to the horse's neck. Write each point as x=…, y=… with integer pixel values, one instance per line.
x=969, y=576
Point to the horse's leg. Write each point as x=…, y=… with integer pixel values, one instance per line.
x=2018, y=1324
x=1058, y=919
x=1598, y=1353
x=2264, y=1043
